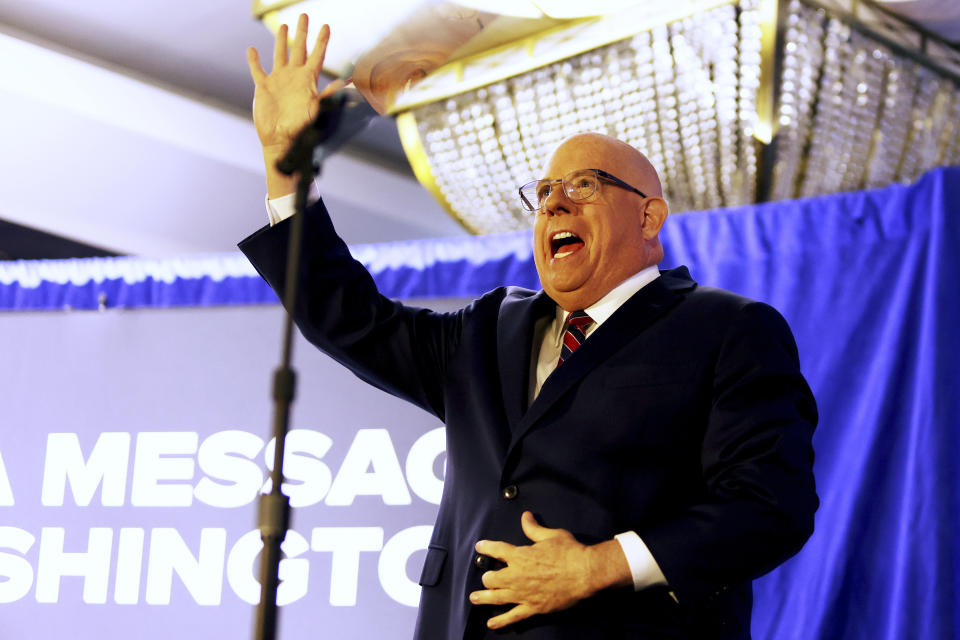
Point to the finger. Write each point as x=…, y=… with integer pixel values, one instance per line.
x=518, y=613
x=280, y=48
x=495, y=549
x=493, y=596
x=298, y=50
x=332, y=88
x=533, y=530
x=315, y=61
x=494, y=579
x=256, y=69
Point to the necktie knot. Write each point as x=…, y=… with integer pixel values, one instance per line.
x=573, y=337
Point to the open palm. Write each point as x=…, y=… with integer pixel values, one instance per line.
x=286, y=99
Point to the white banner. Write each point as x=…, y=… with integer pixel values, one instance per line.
x=133, y=446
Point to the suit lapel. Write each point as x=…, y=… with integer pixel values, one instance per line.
x=632, y=318
x=515, y=326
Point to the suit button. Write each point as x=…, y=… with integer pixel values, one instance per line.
x=510, y=492
x=482, y=562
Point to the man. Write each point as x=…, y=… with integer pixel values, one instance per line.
x=634, y=489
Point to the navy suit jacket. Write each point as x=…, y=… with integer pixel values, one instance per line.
x=684, y=417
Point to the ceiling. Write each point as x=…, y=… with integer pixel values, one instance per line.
x=126, y=130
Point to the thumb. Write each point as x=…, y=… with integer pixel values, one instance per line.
x=332, y=88
x=533, y=529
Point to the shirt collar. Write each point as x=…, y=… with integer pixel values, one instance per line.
x=603, y=308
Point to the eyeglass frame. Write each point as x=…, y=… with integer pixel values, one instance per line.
x=600, y=173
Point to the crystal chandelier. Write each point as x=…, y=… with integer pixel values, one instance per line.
x=734, y=102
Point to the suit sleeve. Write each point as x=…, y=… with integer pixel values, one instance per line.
x=756, y=460
x=402, y=350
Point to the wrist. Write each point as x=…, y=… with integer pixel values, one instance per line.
x=608, y=567
x=278, y=184
x=275, y=150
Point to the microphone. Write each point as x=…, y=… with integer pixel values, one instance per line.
x=340, y=117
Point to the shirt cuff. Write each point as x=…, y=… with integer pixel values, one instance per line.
x=280, y=208
x=646, y=572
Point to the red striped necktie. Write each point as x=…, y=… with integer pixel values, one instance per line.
x=573, y=337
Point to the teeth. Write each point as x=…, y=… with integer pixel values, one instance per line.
x=557, y=238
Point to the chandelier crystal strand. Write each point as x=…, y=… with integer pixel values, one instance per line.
x=880, y=65
x=951, y=155
x=928, y=123
x=904, y=85
x=749, y=83
x=673, y=170
x=508, y=133
x=802, y=59
x=552, y=89
x=639, y=126
x=647, y=134
x=939, y=108
x=919, y=126
x=696, y=47
x=710, y=47
x=631, y=72
x=610, y=106
x=943, y=125
x=827, y=135
x=502, y=162
x=686, y=113
x=865, y=76
x=458, y=163
x=842, y=126
x=893, y=121
x=725, y=79
x=488, y=165
x=522, y=90
x=447, y=116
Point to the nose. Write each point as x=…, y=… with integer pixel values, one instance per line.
x=557, y=202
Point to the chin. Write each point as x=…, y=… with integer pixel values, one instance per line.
x=569, y=300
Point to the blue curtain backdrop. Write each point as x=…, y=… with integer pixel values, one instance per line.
x=868, y=281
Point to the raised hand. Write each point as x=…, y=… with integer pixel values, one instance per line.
x=286, y=99
x=552, y=574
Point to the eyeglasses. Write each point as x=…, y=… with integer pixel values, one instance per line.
x=579, y=185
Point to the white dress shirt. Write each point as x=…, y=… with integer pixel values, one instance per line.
x=546, y=351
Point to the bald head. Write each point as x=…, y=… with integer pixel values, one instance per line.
x=616, y=157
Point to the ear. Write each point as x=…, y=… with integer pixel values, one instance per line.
x=655, y=214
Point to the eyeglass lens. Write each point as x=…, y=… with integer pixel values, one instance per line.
x=578, y=185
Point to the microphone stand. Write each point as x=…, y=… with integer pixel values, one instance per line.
x=338, y=119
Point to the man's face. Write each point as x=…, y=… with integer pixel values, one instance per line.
x=607, y=245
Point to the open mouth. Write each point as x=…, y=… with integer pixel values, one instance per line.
x=564, y=243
